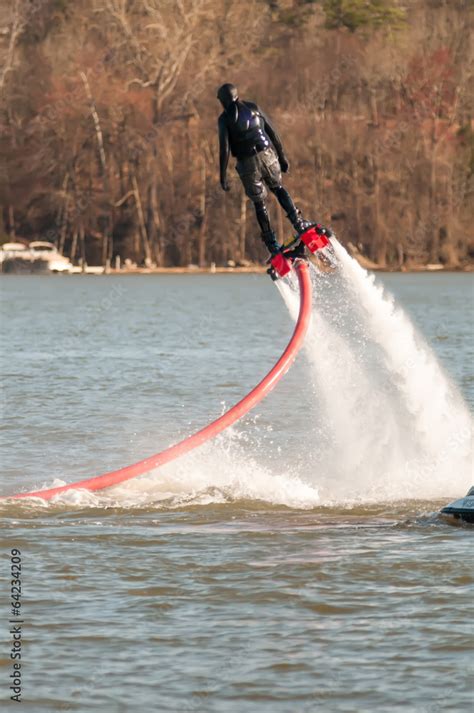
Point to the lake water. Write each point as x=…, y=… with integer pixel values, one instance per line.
x=298, y=562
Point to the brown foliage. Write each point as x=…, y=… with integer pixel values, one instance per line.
x=108, y=126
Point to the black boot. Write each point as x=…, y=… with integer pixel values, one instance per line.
x=269, y=238
x=292, y=212
x=299, y=223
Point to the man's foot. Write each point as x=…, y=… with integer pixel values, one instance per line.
x=298, y=222
x=271, y=243
x=301, y=225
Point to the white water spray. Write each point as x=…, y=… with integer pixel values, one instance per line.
x=221, y=471
x=389, y=424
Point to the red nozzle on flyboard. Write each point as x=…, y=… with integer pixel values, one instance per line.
x=315, y=238
x=280, y=264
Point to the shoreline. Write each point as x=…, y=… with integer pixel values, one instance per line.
x=251, y=269
x=254, y=269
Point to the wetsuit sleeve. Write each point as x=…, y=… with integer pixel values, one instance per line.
x=273, y=136
x=224, y=148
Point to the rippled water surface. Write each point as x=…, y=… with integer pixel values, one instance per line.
x=249, y=576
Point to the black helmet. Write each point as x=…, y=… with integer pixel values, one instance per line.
x=227, y=94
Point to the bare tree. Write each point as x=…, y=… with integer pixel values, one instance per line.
x=10, y=35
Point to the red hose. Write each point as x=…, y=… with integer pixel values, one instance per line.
x=227, y=419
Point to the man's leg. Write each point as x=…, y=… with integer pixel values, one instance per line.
x=267, y=234
x=249, y=171
x=292, y=212
x=271, y=172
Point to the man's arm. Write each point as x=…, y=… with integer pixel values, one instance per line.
x=224, y=151
x=276, y=141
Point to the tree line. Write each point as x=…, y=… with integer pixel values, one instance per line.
x=108, y=116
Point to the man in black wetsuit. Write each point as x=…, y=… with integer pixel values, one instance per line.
x=246, y=133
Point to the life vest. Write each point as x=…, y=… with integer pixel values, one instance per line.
x=246, y=129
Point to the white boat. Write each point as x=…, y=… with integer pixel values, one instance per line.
x=17, y=258
x=11, y=250
x=38, y=257
x=51, y=255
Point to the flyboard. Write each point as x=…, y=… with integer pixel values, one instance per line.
x=316, y=239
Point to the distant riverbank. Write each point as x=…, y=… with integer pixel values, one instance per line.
x=256, y=269
x=252, y=268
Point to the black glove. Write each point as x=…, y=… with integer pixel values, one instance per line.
x=284, y=165
x=225, y=186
